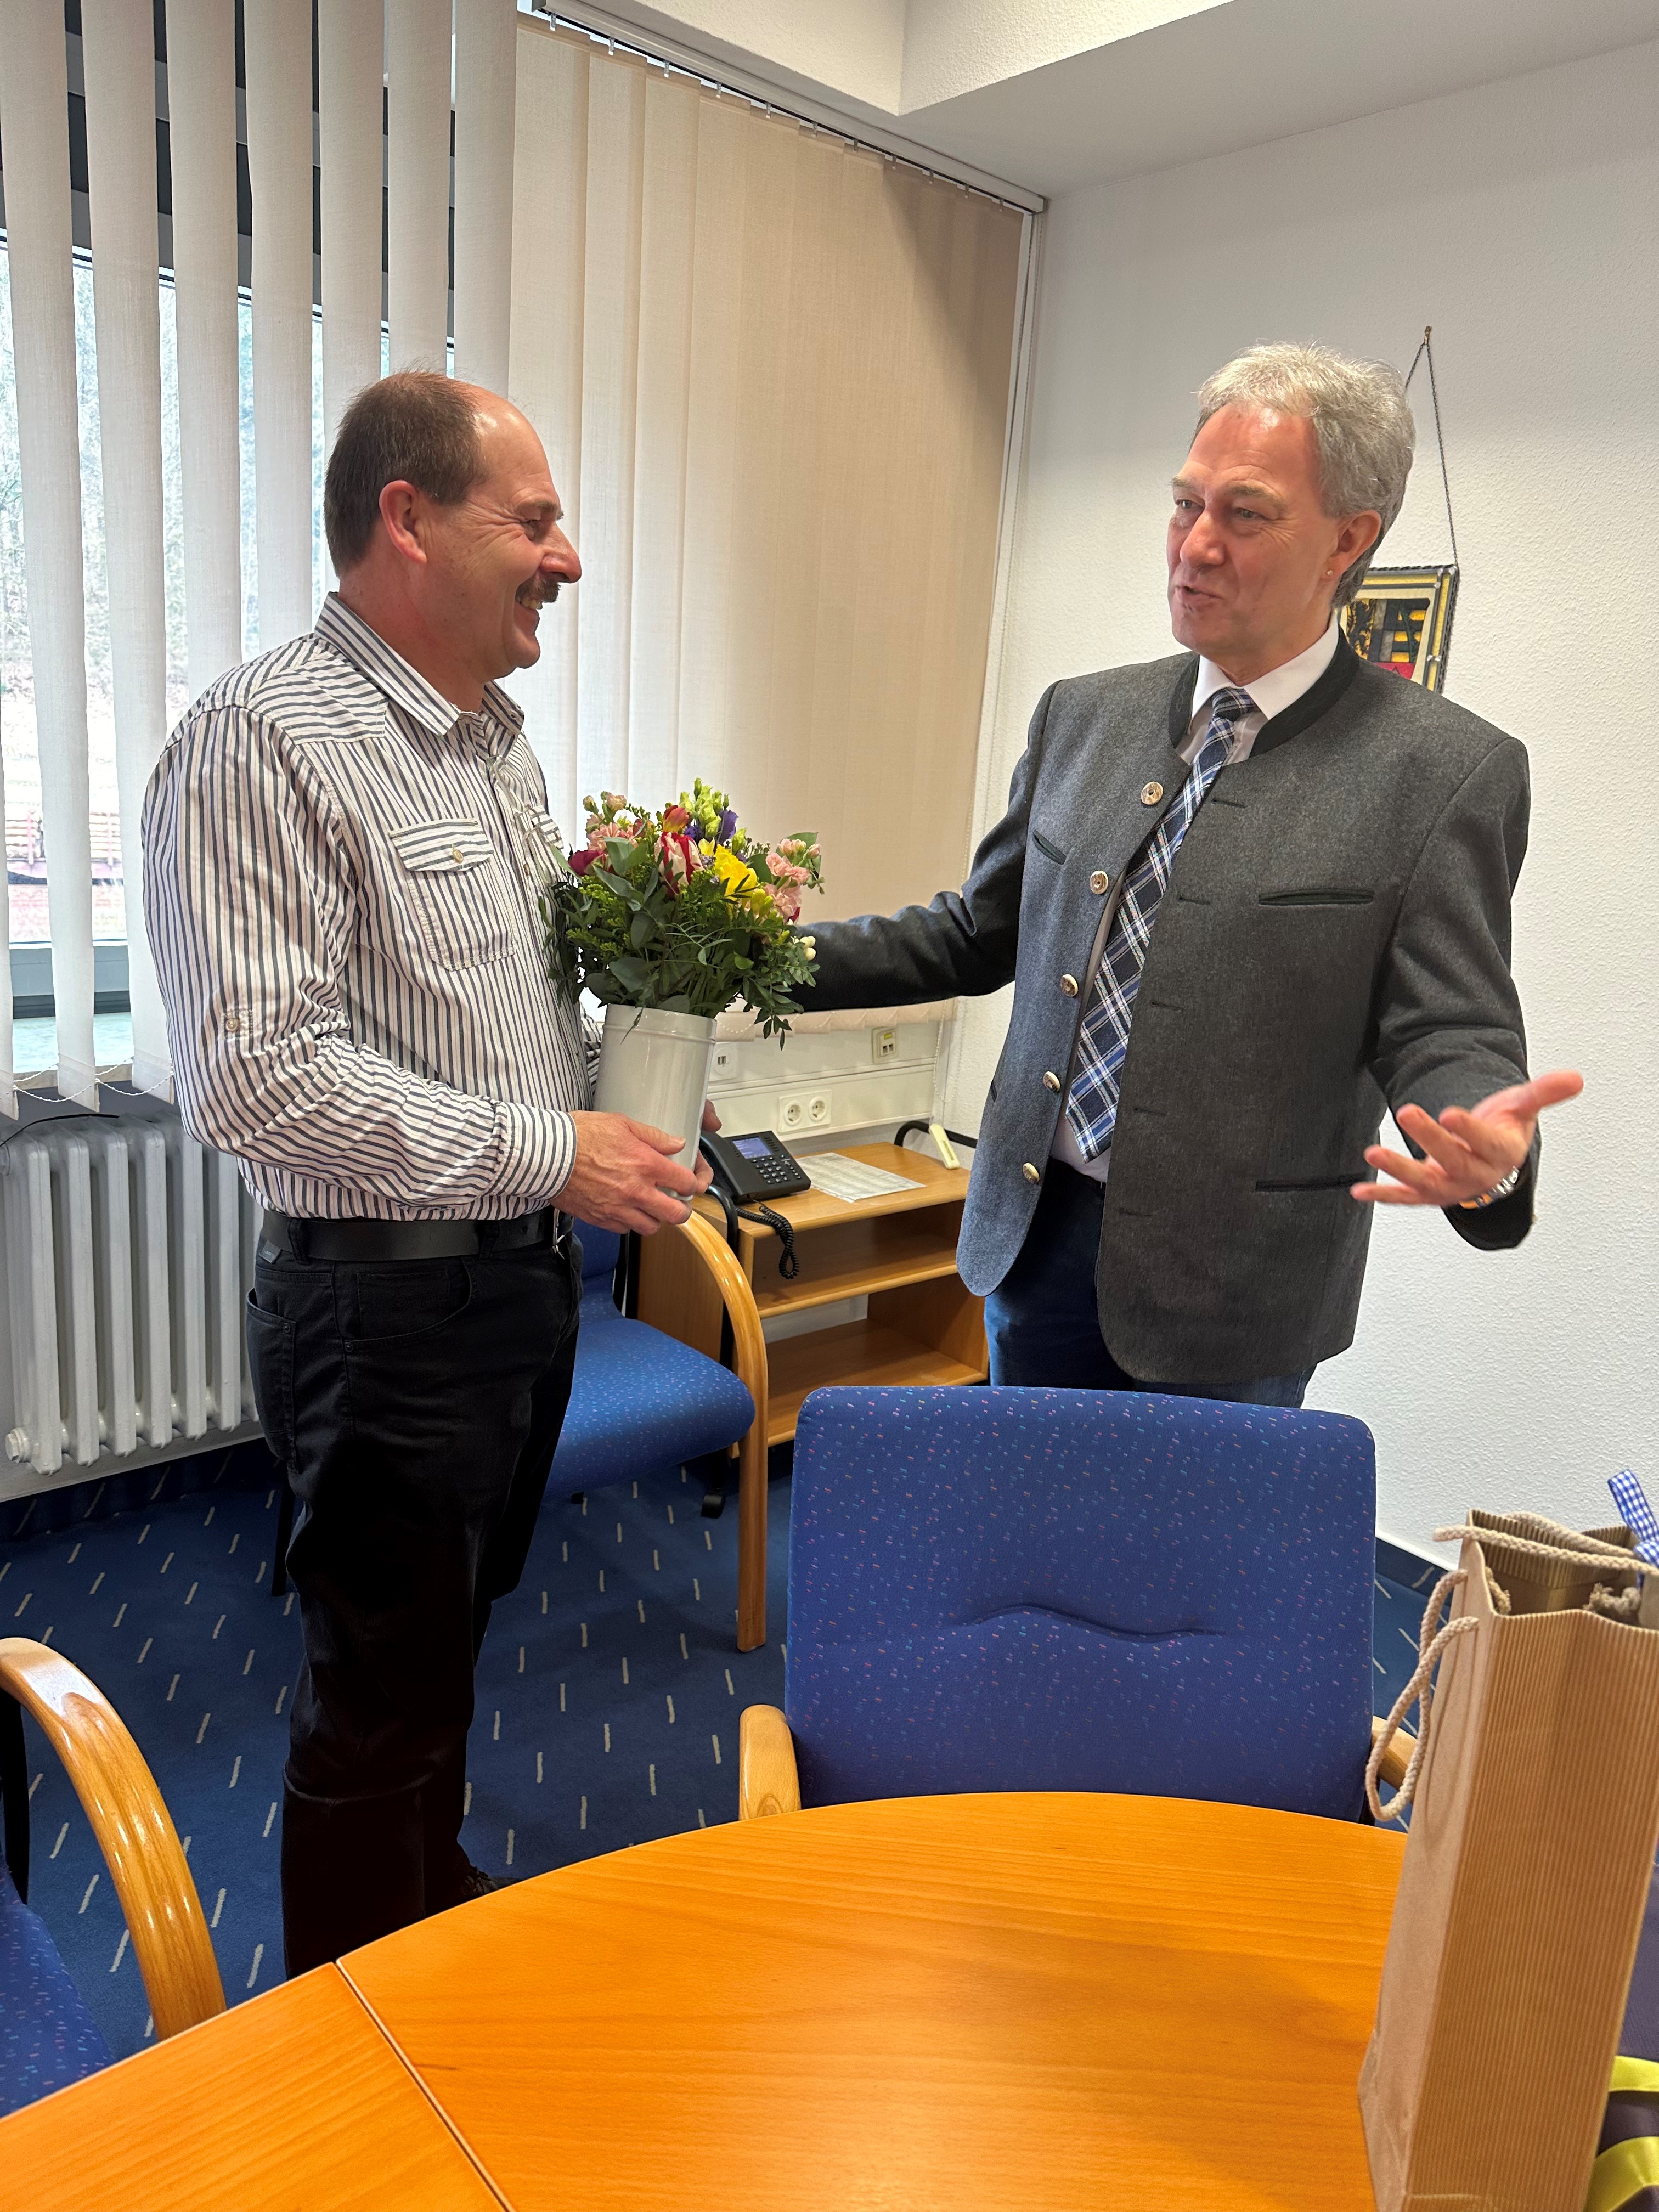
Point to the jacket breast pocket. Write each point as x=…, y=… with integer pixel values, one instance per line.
x=450, y=880
x=1047, y=848
x=1320, y=895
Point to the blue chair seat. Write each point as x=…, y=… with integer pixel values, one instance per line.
x=47, y=2036
x=641, y=1403
x=1066, y=1590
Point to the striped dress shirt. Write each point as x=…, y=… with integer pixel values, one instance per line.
x=342, y=878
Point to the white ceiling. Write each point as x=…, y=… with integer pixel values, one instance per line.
x=1057, y=95
x=1252, y=70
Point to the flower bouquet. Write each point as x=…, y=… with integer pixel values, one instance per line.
x=667, y=918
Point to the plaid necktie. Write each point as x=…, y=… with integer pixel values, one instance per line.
x=1091, y=1106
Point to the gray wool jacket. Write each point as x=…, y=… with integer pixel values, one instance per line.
x=1336, y=938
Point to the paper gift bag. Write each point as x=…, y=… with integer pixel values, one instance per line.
x=1534, y=1793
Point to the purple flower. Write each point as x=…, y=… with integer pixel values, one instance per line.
x=728, y=823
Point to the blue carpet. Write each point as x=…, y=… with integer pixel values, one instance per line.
x=608, y=1696
x=608, y=1692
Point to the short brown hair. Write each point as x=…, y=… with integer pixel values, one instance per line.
x=415, y=427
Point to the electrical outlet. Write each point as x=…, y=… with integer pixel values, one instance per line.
x=803, y=1110
x=723, y=1060
x=883, y=1044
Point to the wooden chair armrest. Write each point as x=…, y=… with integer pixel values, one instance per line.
x=152, y=1878
x=768, y=1781
x=737, y=1297
x=1397, y=1757
x=748, y=1365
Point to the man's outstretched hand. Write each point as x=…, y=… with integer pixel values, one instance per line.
x=626, y=1175
x=1467, y=1152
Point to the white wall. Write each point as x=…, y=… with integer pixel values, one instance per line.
x=954, y=46
x=852, y=48
x=1521, y=220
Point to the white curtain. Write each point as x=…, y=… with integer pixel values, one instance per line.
x=276, y=38
x=117, y=54
x=772, y=373
x=35, y=131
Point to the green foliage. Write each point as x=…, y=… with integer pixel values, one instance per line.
x=683, y=911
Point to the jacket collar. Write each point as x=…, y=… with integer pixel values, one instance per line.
x=1301, y=714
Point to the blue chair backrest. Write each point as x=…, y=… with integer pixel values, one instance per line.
x=599, y=1251
x=1072, y=1590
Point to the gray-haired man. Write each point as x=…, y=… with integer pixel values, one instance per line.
x=1248, y=896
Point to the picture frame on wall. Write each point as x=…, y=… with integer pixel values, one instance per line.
x=1400, y=619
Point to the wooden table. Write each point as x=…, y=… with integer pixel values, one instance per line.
x=1011, y=2002
x=293, y=2102
x=1036, y=2003
x=899, y=1253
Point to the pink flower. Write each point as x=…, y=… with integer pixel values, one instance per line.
x=787, y=901
x=786, y=871
x=676, y=818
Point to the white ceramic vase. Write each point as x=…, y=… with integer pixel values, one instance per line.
x=654, y=1067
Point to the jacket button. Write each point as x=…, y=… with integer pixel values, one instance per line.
x=1150, y=793
x=1068, y=984
x=1100, y=881
x=1050, y=1080
x=1032, y=1173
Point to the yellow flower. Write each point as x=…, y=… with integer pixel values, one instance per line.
x=738, y=879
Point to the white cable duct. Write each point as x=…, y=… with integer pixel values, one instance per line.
x=418, y=182
x=278, y=40
x=202, y=129
x=118, y=52
x=350, y=78
x=34, y=129
x=486, y=85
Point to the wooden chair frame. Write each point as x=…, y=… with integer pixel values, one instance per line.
x=748, y=1365
x=769, y=1779
x=135, y=1831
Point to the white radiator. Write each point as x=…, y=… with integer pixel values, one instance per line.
x=128, y=1250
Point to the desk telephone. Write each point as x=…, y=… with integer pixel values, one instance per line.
x=755, y=1167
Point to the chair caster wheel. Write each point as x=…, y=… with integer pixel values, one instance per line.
x=579, y=1498
x=714, y=1504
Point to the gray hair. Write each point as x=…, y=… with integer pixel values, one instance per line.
x=1360, y=417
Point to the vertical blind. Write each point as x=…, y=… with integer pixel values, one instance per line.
x=771, y=371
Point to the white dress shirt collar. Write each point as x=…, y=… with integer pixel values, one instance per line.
x=1281, y=687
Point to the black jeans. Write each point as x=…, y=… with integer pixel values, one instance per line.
x=1043, y=1321
x=415, y=1405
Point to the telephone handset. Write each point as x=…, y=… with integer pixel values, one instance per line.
x=755, y=1167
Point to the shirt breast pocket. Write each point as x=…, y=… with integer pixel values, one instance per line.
x=449, y=877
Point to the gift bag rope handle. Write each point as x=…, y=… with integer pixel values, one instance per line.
x=1430, y=1642
x=1583, y=1551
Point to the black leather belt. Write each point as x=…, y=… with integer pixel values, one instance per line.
x=369, y=1241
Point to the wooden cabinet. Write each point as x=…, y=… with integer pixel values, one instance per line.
x=922, y=1324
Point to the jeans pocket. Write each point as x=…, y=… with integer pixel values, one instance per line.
x=392, y=1302
x=270, y=1361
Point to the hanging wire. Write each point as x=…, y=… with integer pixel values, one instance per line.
x=1425, y=352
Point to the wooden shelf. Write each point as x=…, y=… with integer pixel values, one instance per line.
x=849, y=1257
x=868, y=1352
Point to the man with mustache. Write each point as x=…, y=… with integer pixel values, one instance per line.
x=345, y=841
x=1247, y=896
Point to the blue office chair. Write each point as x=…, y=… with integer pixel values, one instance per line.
x=47, y=2036
x=642, y=1403
x=1002, y=1590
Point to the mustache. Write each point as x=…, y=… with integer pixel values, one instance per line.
x=539, y=591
